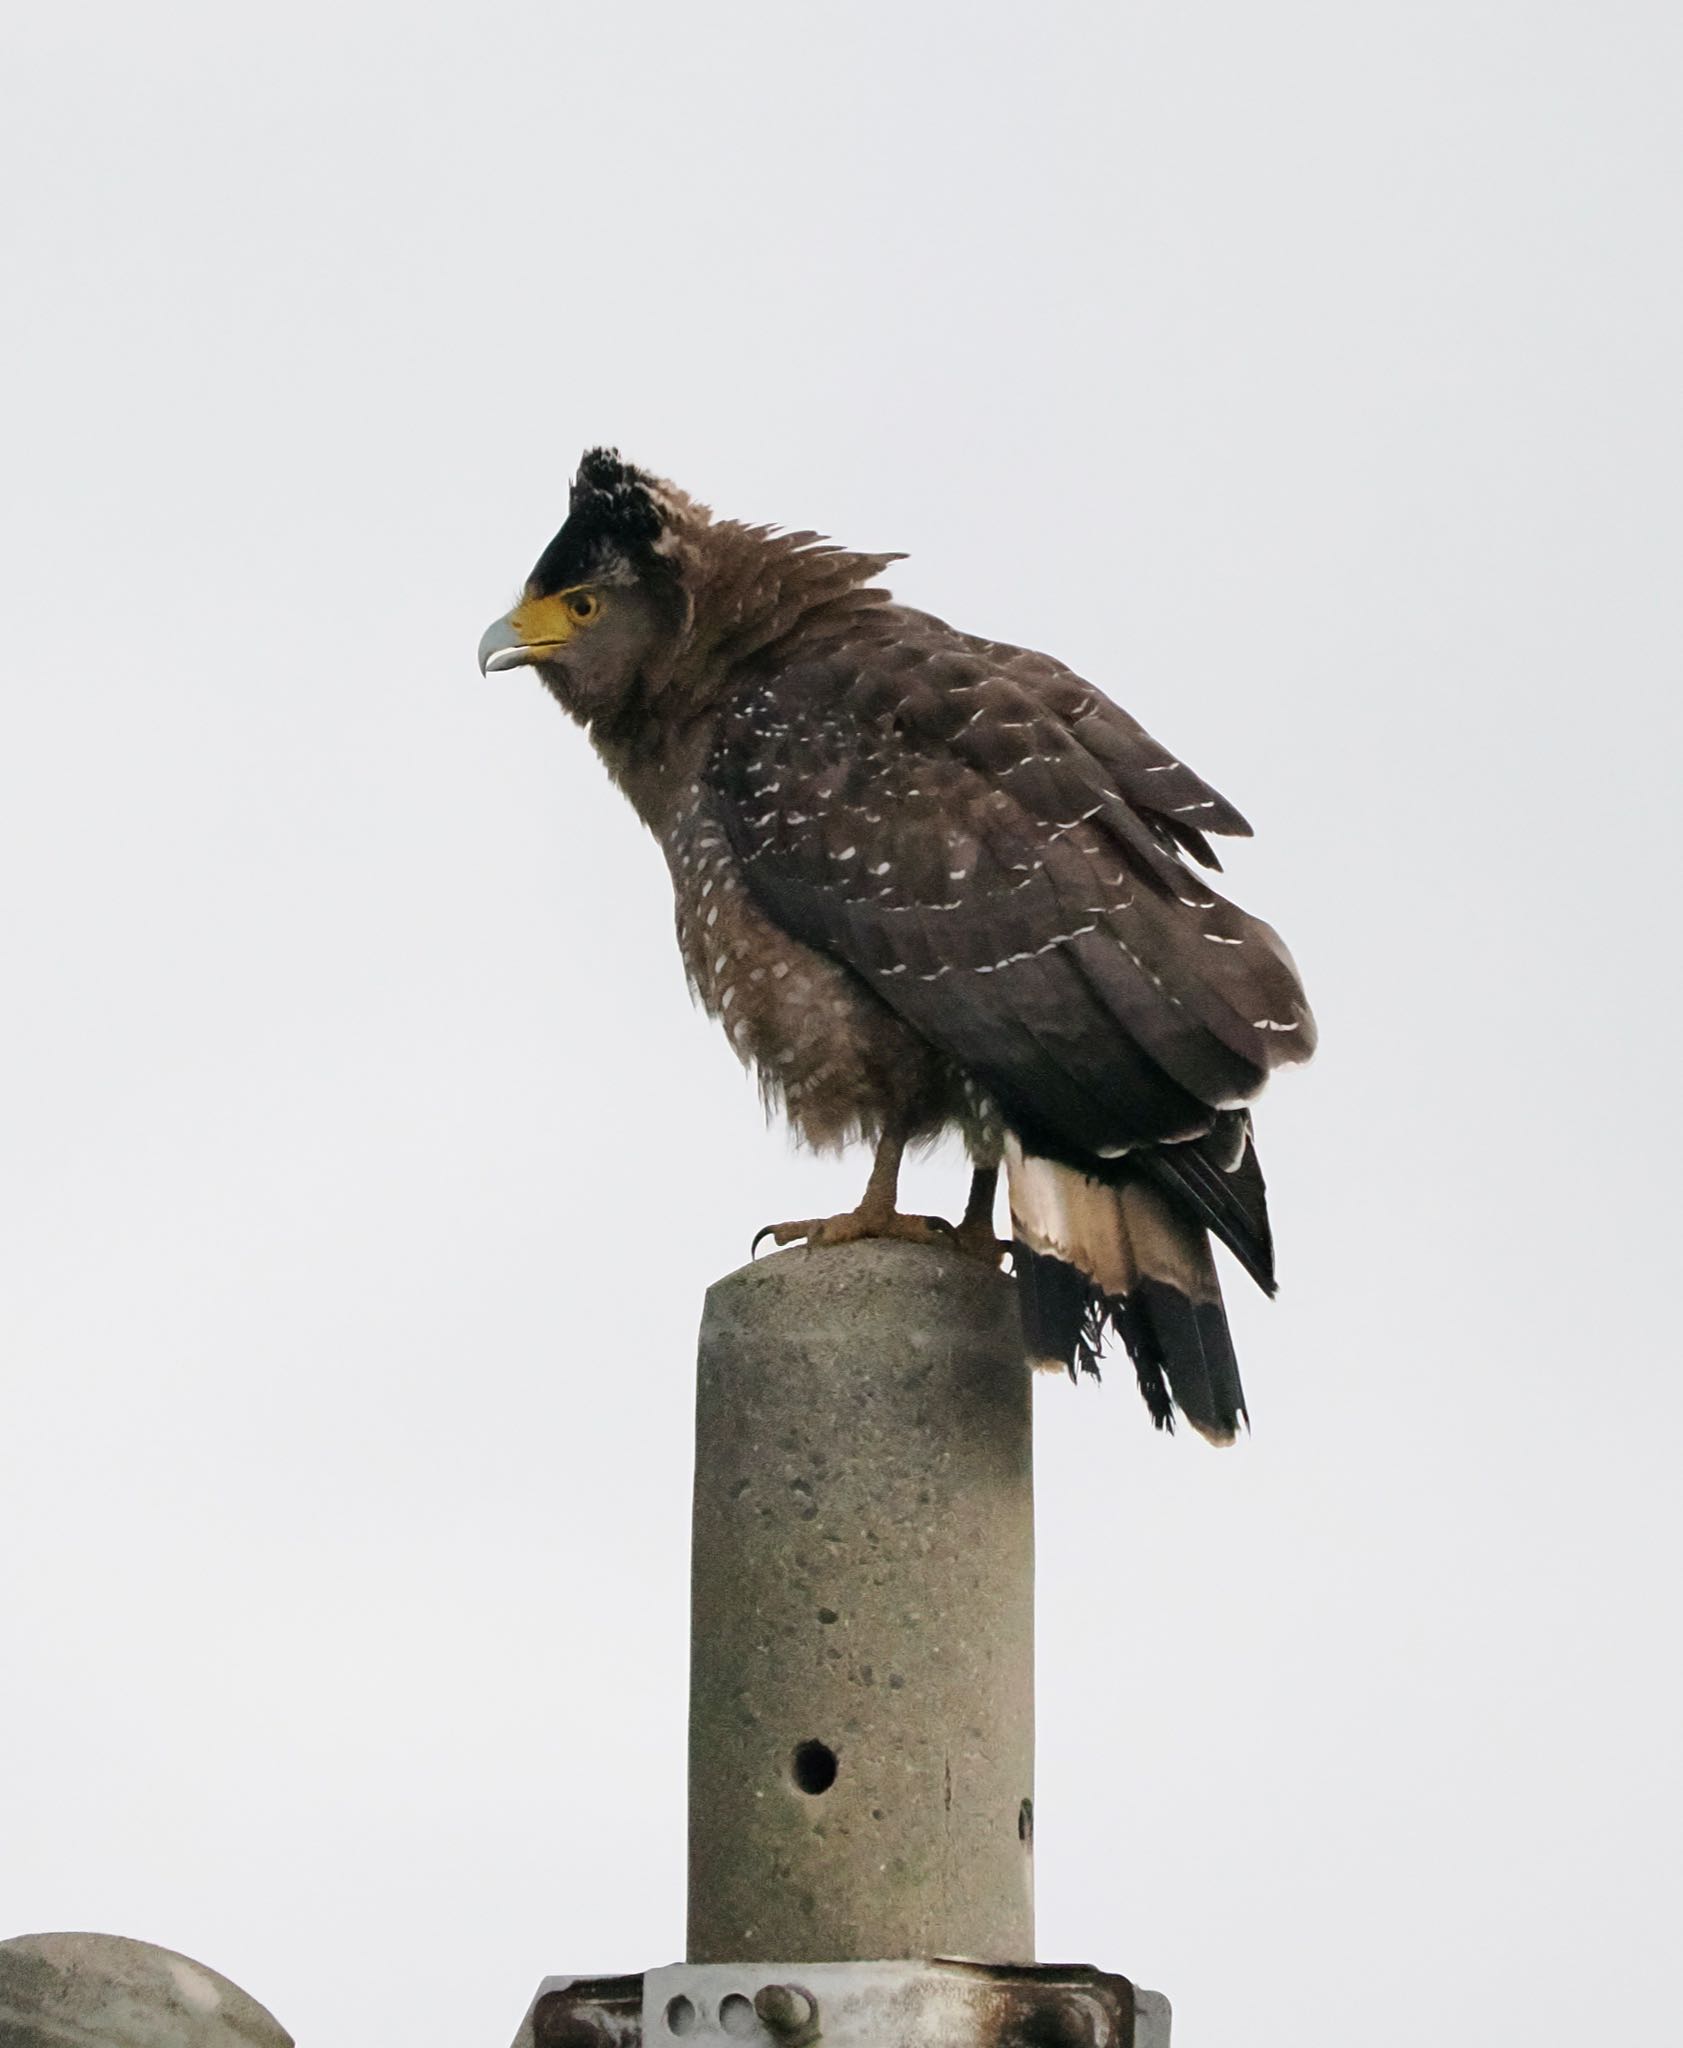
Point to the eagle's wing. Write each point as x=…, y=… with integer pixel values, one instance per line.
x=994, y=848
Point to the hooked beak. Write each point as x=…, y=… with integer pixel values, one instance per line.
x=503, y=647
x=535, y=630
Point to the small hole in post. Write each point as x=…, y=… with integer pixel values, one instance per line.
x=814, y=1767
x=1025, y=1823
x=680, y=2015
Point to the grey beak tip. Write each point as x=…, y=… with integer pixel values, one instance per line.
x=501, y=647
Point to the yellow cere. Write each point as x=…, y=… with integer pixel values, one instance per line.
x=551, y=621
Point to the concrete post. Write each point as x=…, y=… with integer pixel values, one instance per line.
x=862, y=1629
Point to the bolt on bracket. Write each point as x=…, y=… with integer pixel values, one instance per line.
x=910, y=2004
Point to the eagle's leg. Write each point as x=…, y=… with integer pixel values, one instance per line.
x=876, y=1215
x=975, y=1231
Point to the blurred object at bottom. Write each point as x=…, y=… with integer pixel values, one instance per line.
x=104, y=1991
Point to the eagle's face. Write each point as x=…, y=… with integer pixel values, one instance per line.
x=603, y=603
x=589, y=642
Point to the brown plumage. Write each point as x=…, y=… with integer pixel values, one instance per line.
x=927, y=880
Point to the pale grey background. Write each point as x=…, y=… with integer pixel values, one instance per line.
x=1307, y=375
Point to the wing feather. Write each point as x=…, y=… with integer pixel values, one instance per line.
x=994, y=848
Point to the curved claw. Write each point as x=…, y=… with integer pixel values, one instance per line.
x=810, y=1232
x=856, y=1224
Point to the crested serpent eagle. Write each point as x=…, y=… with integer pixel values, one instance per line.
x=930, y=881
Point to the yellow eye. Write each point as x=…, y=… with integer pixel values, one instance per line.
x=583, y=605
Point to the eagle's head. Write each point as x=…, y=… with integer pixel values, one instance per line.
x=606, y=601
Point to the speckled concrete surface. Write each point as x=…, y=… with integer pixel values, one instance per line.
x=862, y=1732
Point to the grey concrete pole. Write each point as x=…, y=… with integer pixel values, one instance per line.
x=862, y=1662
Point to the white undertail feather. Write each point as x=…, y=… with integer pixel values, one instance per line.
x=1113, y=1236
x=1057, y=1210
x=1166, y=1245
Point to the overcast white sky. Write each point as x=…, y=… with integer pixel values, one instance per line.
x=1305, y=374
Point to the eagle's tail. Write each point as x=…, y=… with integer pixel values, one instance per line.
x=1095, y=1255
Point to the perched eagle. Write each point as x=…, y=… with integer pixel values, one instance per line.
x=931, y=881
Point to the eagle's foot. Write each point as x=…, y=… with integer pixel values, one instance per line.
x=865, y=1221
x=974, y=1237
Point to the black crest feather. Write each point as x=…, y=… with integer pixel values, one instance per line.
x=612, y=515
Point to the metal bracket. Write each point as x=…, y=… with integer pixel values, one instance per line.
x=913, y=2004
